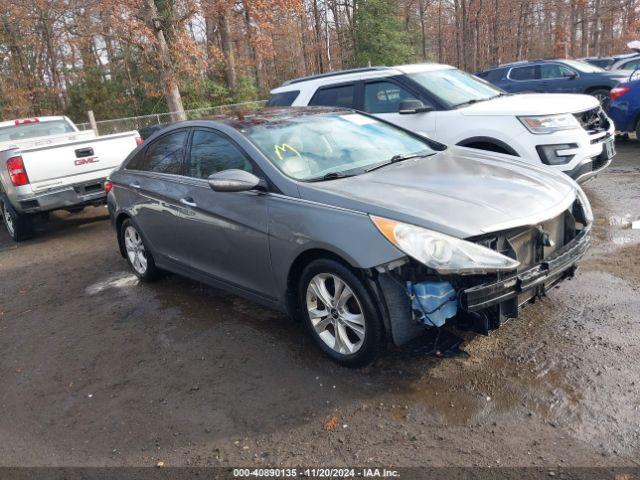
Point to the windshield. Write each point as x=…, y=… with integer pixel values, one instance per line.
x=34, y=130
x=455, y=87
x=308, y=147
x=583, y=66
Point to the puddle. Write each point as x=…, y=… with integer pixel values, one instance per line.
x=118, y=280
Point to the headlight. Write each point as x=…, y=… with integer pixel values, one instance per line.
x=550, y=123
x=586, y=206
x=441, y=252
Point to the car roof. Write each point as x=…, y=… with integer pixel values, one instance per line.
x=524, y=63
x=359, y=73
x=239, y=120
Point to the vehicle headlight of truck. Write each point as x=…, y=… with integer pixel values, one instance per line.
x=541, y=124
x=584, y=203
x=441, y=252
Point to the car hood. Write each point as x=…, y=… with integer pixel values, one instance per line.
x=461, y=192
x=532, y=104
x=620, y=75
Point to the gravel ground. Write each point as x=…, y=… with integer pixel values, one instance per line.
x=98, y=370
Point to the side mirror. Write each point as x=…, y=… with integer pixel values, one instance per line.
x=571, y=76
x=235, y=181
x=408, y=107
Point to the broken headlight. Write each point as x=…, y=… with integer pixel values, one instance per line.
x=441, y=252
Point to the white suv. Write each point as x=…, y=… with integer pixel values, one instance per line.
x=568, y=132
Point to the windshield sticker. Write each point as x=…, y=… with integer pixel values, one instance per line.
x=358, y=119
x=282, y=149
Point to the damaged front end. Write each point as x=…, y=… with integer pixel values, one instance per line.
x=416, y=296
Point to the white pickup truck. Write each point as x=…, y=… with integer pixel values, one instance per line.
x=48, y=164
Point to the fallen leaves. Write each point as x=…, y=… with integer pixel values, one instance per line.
x=330, y=423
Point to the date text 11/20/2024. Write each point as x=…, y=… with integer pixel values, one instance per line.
x=315, y=472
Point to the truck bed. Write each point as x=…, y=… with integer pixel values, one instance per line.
x=51, y=166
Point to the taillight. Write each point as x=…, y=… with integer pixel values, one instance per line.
x=17, y=173
x=27, y=120
x=108, y=186
x=139, y=140
x=618, y=91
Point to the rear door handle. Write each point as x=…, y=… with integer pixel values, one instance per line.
x=135, y=185
x=189, y=202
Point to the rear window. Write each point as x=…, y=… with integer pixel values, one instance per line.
x=34, y=129
x=341, y=96
x=164, y=155
x=283, y=99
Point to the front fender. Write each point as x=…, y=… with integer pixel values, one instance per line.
x=297, y=225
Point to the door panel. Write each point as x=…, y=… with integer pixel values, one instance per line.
x=161, y=217
x=227, y=231
x=557, y=78
x=156, y=179
x=228, y=237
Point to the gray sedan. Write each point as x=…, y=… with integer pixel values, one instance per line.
x=368, y=233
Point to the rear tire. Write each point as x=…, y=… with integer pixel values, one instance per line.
x=19, y=227
x=137, y=253
x=340, y=313
x=638, y=130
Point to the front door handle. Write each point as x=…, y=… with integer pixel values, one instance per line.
x=189, y=202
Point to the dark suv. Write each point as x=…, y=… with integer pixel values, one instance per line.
x=556, y=76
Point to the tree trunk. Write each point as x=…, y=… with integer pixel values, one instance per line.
x=227, y=49
x=256, y=59
x=165, y=65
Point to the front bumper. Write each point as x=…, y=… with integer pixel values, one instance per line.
x=558, y=266
x=88, y=193
x=589, y=155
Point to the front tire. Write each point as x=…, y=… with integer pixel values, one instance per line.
x=602, y=95
x=19, y=227
x=340, y=313
x=138, y=255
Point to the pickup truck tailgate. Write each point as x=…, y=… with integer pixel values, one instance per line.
x=65, y=164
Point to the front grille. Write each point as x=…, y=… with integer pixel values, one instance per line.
x=593, y=121
x=526, y=244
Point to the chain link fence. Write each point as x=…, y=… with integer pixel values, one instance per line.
x=118, y=125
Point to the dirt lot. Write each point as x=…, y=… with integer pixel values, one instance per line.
x=96, y=369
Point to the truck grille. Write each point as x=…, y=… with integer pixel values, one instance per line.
x=593, y=121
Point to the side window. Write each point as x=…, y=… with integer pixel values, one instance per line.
x=632, y=65
x=341, y=96
x=282, y=99
x=384, y=97
x=523, y=73
x=211, y=152
x=162, y=156
x=553, y=70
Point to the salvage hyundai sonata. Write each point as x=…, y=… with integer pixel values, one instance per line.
x=368, y=233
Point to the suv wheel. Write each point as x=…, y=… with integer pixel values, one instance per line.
x=138, y=255
x=340, y=313
x=602, y=95
x=20, y=227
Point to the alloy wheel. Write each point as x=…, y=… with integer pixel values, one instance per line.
x=135, y=250
x=8, y=220
x=336, y=313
